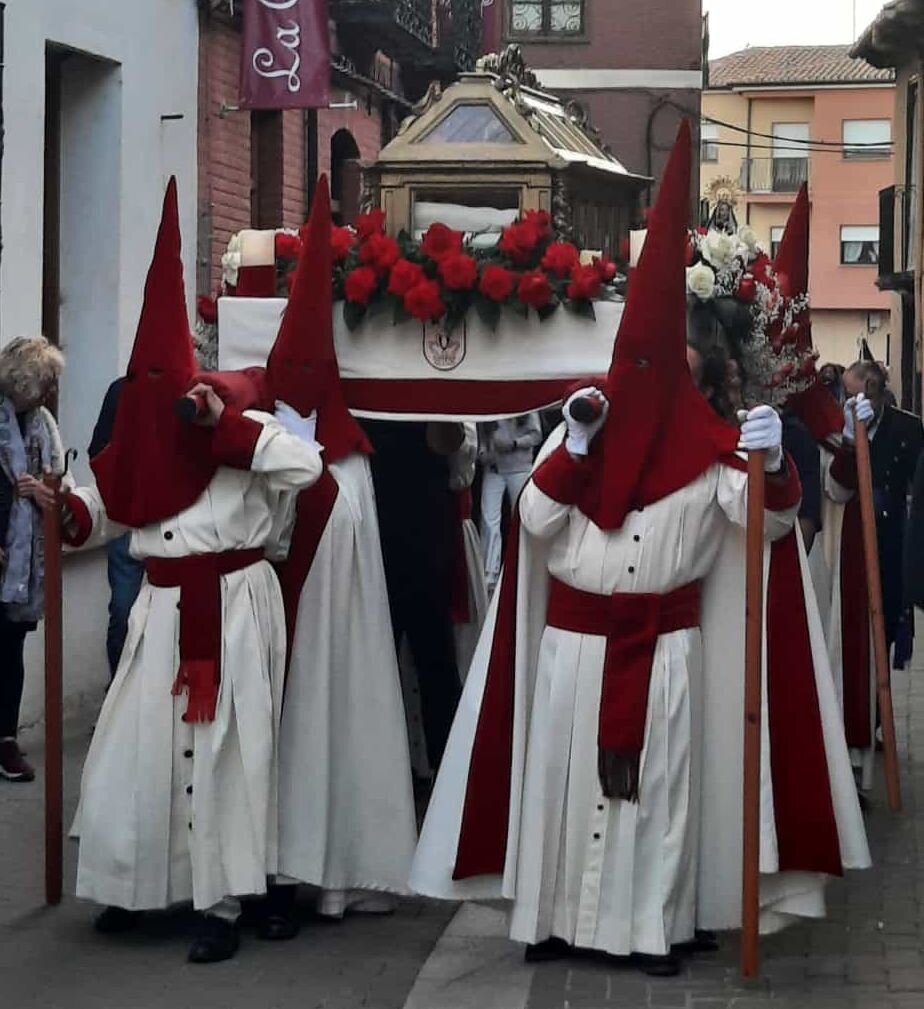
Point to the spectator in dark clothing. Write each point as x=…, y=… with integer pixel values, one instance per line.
x=802, y=447
x=30, y=447
x=896, y=444
x=416, y=512
x=914, y=550
x=124, y=572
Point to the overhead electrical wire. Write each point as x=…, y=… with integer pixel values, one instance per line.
x=834, y=144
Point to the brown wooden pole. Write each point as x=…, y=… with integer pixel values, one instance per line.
x=877, y=617
x=54, y=771
x=753, y=696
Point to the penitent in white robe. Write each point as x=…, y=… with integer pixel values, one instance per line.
x=602, y=873
x=170, y=811
x=346, y=804
x=825, y=563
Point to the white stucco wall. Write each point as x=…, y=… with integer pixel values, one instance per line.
x=134, y=64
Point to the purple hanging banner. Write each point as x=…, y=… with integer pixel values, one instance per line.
x=285, y=56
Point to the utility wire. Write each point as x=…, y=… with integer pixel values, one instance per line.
x=887, y=153
x=790, y=140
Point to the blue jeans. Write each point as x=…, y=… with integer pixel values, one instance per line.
x=125, y=576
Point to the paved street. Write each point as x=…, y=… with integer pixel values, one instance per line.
x=867, y=954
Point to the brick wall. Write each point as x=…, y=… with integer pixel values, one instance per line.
x=225, y=148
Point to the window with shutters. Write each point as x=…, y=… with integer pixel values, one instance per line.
x=867, y=138
x=552, y=18
x=860, y=245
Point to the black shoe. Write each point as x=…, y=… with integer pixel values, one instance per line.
x=550, y=949
x=13, y=765
x=656, y=966
x=702, y=942
x=277, y=921
x=216, y=940
x=865, y=804
x=116, y=920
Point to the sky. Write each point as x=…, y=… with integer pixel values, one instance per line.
x=733, y=24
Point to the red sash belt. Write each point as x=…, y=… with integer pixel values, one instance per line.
x=199, y=581
x=631, y=624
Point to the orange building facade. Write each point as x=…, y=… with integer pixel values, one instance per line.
x=774, y=118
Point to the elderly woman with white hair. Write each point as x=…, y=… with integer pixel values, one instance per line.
x=30, y=447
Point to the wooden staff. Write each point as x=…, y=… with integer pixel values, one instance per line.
x=54, y=776
x=753, y=659
x=877, y=615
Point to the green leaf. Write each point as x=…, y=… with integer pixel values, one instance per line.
x=488, y=311
x=454, y=317
x=548, y=310
x=353, y=314
x=378, y=306
x=401, y=314
x=520, y=307
x=583, y=309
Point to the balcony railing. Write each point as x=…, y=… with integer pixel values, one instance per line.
x=774, y=175
x=388, y=18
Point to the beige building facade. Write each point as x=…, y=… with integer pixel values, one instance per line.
x=775, y=118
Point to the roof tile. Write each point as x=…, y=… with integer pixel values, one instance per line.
x=793, y=65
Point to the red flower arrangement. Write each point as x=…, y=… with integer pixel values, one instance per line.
x=360, y=285
x=497, y=283
x=440, y=241
x=442, y=277
x=287, y=246
x=424, y=301
x=342, y=241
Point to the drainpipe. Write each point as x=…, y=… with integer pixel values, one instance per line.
x=747, y=176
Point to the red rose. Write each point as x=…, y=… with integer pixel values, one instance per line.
x=606, y=269
x=560, y=258
x=370, y=224
x=585, y=284
x=690, y=258
x=342, y=241
x=208, y=309
x=459, y=273
x=762, y=269
x=747, y=289
x=423, y=301
x=440, y=241
x=539, y=219
x=404, y=276
x=808, y=368
x=519, y=241
x=381, y=252
x=360, y=285
x=497, y=284
x=535, y=289
x=288, y=246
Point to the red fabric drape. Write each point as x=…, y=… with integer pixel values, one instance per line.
x=806, y=828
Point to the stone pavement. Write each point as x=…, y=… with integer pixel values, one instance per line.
x=50, y=958
x=866, y=955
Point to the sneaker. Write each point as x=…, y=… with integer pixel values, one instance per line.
x=13, y=766
x=334, y=904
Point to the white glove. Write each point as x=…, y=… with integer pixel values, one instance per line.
x=761, y=428
x=503, y=444
x=302, y=427
x=581, y=435
x=864, y=413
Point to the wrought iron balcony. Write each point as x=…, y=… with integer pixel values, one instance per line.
x=401, y=27
x=774, y=175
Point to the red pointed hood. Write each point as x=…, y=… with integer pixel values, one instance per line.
x=815, y=407
x=302, y=367
x=155, y=465
x=661, y=434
